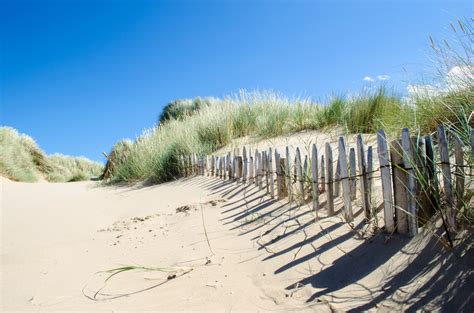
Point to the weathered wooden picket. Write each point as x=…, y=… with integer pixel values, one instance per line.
x=409, y=176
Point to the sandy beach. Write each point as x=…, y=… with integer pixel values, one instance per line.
x=227, y=247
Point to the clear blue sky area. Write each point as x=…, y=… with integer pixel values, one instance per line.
x=79, y=75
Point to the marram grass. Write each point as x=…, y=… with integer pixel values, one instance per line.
x=22, y=160
x=205, y=127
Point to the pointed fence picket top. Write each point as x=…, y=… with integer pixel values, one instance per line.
x=314, y=179
x=384, y=163
x=329, y=180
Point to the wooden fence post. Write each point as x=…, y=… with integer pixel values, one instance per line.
x=305, y=171
x=190, y=164
x=409, y=163
x=363, y=178
x=384, y=162
x=329, y=180
x=213, y=164
x=446, y=171
x=424, y=203
x=288, y=174
x=337, y=179
x=344, y=178
x=196, y=164
x=230, y=168
x=222, y=166
x=251, y=170
x=238, y=168
x=233, y=155
x=203, y=165
x=314, y=179
x=267, y=174
x=278, y=173
x=370, y=174
x=283, y=170
x=244, y=153
x=260, y=170
x=270, y=173
x=255, y=164
x=323, y=174
x=459, y=173
x=299, y=175
x=400, y=183
x=353, y=178
x=433, y=192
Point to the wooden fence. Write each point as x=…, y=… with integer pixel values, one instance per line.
x=416, y=181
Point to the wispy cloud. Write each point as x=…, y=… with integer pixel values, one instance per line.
x=378, y=77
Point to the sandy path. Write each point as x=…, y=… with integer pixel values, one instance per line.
x=266, y=255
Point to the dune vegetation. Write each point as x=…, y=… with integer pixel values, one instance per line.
x=21, y=159
x=213, y=123
x=203, y=125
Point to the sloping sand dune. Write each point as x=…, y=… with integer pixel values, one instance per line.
x=261, y=254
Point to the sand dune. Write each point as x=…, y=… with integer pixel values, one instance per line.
x=259, y=254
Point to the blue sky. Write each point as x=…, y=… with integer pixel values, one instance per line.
x=79, y=75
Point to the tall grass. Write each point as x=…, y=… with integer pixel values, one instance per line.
x=22, y=160
x=153, y=157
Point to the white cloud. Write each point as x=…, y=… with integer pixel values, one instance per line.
x=378, y=77
x=457, y=78
x=460, y=77
x=383, y=77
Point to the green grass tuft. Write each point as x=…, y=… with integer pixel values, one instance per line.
x=22, y=160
